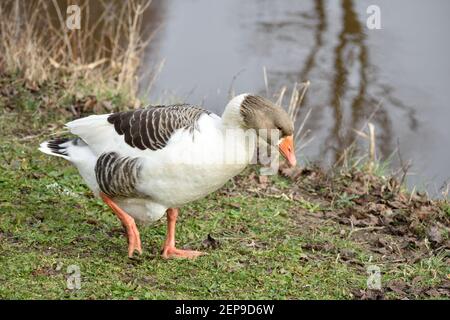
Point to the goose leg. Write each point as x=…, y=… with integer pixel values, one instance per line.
x=169, y=250
x=134, y=239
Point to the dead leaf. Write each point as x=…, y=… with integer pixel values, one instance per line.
x=435, y=234
x=210, y=242
x=368, y=294
x=399, y=287
x=347, y=254
x=290, y=172
x=263, y=181
x=235, y=205
x=107, y=105
x=89, y=104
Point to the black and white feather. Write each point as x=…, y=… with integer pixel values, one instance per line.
x=152, y=159
x=118, y=176
x=152, y=128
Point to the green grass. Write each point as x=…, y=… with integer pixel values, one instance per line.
x=49, y=220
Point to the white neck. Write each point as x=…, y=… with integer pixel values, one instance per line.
x=231, y=116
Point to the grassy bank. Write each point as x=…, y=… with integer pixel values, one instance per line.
x=303, y=234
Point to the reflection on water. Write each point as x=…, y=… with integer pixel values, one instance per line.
x=351, y=53
x=353, y=71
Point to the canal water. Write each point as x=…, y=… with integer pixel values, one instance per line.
x=401, y=71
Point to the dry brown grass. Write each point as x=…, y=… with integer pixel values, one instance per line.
x=301, y=137
x=106, y=50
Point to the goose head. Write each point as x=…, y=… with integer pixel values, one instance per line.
x=250, y=111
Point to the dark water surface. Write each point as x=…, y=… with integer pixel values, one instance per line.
x=404, y=68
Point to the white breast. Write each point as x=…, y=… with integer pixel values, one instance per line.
x=189, y=167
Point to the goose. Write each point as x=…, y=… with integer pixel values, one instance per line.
x=147, y=163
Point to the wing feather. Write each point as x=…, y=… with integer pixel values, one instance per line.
x=134, y=131
x=160, y=123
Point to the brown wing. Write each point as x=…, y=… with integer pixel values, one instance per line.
x=152, y=128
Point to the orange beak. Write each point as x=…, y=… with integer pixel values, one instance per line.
x=286, y=148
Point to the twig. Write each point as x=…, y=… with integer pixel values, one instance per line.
x=361, y=130
x=231, y=89
x=266, y=82
x=300, y=129
x=281, y=96
x=404, y=167
x=371, y=146
x=353, y=230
